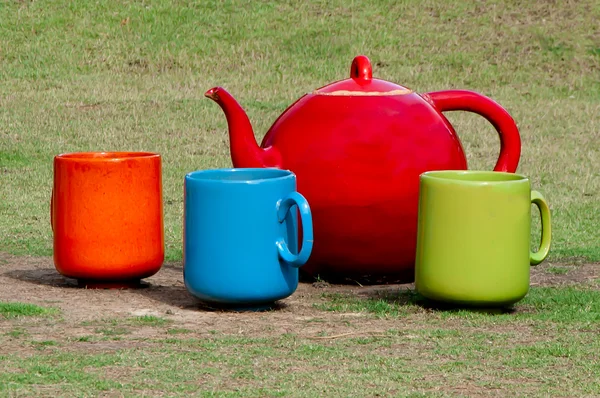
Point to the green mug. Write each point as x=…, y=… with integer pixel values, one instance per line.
x=474, y=232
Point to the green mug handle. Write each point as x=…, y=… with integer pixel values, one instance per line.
x=539, y=256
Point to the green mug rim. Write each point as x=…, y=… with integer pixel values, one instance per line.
x=496, y=177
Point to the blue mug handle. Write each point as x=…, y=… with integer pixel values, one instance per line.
x=283, y=206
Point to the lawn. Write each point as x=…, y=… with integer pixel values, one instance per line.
x=130, y=75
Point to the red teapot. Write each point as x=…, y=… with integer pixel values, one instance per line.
x=357, y=147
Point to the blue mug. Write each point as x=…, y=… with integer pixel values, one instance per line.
x=240, y=238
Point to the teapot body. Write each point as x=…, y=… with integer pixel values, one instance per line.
x=358, y=147
x=357, y=160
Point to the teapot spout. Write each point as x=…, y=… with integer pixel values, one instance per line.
x=243, y=147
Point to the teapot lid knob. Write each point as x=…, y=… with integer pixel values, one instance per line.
x=361, y=69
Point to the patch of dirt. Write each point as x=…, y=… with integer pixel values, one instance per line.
x=87, y=312
x=562, y=273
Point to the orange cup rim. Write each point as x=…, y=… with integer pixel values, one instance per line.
x=108, y=156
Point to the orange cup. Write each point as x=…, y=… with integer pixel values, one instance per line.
x=107, y=217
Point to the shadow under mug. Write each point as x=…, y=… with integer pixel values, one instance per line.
x=241, y=235
x=107, y=217
x=474, y=237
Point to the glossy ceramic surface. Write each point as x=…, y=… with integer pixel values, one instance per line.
x=107, y=217
x=474, y=236
x=241, y=235
x=358, y=147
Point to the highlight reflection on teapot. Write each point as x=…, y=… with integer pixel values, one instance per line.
x=358, y=147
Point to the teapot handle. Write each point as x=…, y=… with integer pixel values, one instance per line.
x=470, y=101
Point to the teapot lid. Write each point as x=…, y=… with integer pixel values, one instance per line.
x=361, y=83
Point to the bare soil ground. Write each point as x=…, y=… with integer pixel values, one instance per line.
x=35, y=280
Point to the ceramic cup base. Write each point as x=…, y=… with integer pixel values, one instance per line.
x=98, y=284
x=240, y=307
x=483, y=307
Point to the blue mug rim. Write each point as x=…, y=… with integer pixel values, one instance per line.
x=259, y=175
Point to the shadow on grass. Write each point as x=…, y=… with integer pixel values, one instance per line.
x=354, y=279
x=276, y=306
x=403, y=299
x=179, y=296
x=168, y=287
x=45, y=277
x=165, y=287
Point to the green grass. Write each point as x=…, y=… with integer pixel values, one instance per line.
x=40, y=345
x=10, y=310
x=178, y=331
x=115, y=327
x=113, y=331
x=17, y=332
x=558, y=270
x=546, y=348
x=150, y=320
x=558, y=305
x=131, y=76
